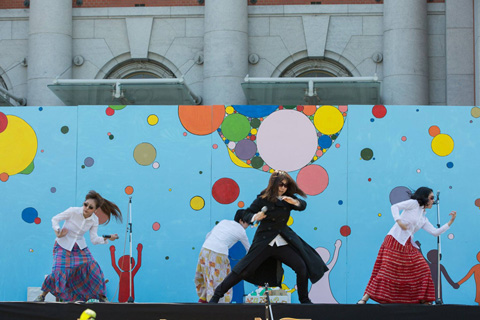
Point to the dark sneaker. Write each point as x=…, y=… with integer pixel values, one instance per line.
x=40, y=298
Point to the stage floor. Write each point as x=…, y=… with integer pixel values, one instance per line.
x=194, y=311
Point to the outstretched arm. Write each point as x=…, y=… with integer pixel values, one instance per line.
x=139, y=258
x=332, y=263
x=447, y=277
x=469, y=274
x=114, y=262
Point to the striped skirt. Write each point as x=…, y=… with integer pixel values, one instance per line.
x=76, y=276
x=212, y=269
x=400, y=275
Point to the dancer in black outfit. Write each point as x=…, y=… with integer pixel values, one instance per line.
x=275, y=243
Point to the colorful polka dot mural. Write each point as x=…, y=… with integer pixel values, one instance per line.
x=258, y=137
x=18, y=146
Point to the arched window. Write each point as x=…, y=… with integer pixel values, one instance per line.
x=309, y=67
x=140, y=69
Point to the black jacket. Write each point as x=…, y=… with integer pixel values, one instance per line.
x=275, y=223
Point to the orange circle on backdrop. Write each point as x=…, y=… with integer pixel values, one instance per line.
x=129, y=190
x=433, y=131
x=201, y=120
x=309, y=110
x=241, y=204
x=4, y=176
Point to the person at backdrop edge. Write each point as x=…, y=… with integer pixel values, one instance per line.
x=213, y=263
x=275, y=242
x=76, y=276
x=400, y=273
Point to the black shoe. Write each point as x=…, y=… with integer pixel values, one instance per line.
x=214, y=299
x=306, y=301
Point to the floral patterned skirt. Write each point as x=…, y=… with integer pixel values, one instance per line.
x=212, y=269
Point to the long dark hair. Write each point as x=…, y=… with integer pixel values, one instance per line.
x=108, y=207
x=421, y=195
x=271, y=191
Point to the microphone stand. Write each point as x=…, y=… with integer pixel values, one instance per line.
x=439, y=254
x=129, y=227
x=268, y=306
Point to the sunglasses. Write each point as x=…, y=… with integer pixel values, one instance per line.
x=431, y=197
x=86, y=205
x=281, y=184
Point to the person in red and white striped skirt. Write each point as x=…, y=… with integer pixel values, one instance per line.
x=400, y=273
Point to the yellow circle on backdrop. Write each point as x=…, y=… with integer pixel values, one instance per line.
x=475, y=112
x=152, y=119
x=18, y=146
x=197, y=203
x=442, y=144
x=328, y=120
x=229, y=110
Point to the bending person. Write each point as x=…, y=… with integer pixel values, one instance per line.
x=213, y=263
x=400, y=273
x=275, y=243
x=76, y=276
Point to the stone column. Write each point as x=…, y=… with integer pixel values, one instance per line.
x=225, y=51
x=477, y=51
x=459, y=52
x=405, y=52
x=49, y=49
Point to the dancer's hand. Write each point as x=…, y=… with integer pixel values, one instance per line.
x=62, y=233
x=259, y=216
x=290, y=200
x=113, y=237
x=402, y=225
x=453, y=215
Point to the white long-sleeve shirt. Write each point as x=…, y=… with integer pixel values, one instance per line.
x=224, y=235
x=414, y=217
x=77, y=226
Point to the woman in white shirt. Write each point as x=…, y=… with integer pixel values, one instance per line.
x=400, y=273
x=213, y=264
x=76, y=276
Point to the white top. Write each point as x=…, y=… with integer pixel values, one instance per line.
x=414, y=217
x=77, y=225
x=224, y=235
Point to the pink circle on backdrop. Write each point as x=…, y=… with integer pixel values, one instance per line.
x=156, y=226
x=276, y=135
x=312, y=179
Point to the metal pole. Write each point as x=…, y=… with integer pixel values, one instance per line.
x=439, y=254
x=130, y=298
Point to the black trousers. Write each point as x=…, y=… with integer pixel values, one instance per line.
x=286, y=255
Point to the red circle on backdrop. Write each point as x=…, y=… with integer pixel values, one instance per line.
x=3, y=122
x=379, y=111
x=109, y=111
x=345, y=231
x=225, y=191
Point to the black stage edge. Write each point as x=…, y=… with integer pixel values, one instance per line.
x=195, y=311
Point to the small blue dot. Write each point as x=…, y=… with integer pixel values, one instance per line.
x=41, y=108
x=340, y=202
x=449, y=165
x=418, y=110
x=371, y=120
x=227, y=141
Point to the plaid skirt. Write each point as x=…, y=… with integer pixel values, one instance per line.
x=76, y=276
x=212, y=269
x=400, y=275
